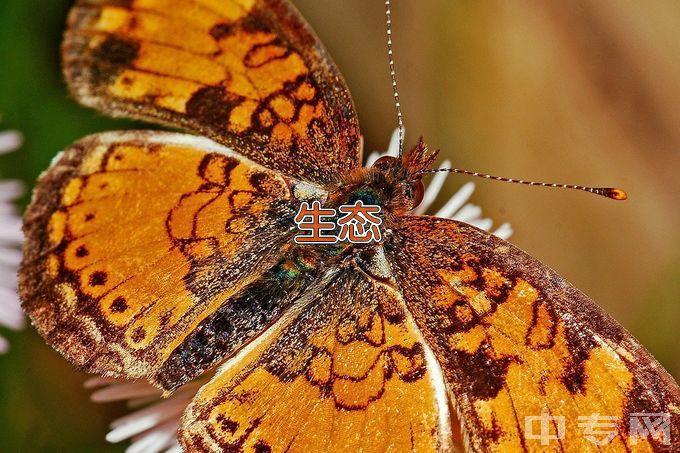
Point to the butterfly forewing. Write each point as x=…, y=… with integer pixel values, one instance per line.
x=517, y=344
x=137, y=241
x=248, y=73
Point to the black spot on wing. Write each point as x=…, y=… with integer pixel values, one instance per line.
x=489, y=374
x=119, y=305
x=574, y=376
x=98, y=278
x=212, y=106
x=111, y=57
x=219, y=31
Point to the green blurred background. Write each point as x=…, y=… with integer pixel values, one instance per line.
x=579, y=91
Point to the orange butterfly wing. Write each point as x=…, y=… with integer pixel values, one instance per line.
x=248, y=73
x=515, y=340
x=137, y=242
x=345, y=370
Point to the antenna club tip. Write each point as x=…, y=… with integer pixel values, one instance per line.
x=615, y=194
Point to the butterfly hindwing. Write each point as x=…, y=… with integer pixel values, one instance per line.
x=346, y=370
x=515, y=340
x=139, y=243
x=248, y=73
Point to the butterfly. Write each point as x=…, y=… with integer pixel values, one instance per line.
x=159, y=255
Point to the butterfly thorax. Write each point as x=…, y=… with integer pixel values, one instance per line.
x=392, y=183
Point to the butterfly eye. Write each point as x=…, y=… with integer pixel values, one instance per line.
x=385, y=162
x=417, y=192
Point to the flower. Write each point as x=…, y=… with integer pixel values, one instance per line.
x=11, y=238
x=153, y=423
x=457, y=207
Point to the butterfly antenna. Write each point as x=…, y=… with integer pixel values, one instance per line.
x=393, y=75
x=607, y=192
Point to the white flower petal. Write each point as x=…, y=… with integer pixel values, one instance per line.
x=8, y=277
x=10, y=141
x=147, y=418
x=361, y=145
x=148, y=426
x=393, y=147
x=456, y=201
x=99, y=381
x=10, y=190
x=11, y=238
x=124, y=391
x=468, y=213
x=10, y=309
x=136, y=403
x=4, y=345
x=375, y=155
x=10, y=231
x=9, y=260
x=504, y=231
x=482, y=224
x=155, y=441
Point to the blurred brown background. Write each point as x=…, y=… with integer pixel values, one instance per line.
x=579, y=91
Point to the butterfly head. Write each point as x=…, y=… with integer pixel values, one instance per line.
x=401, y=177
